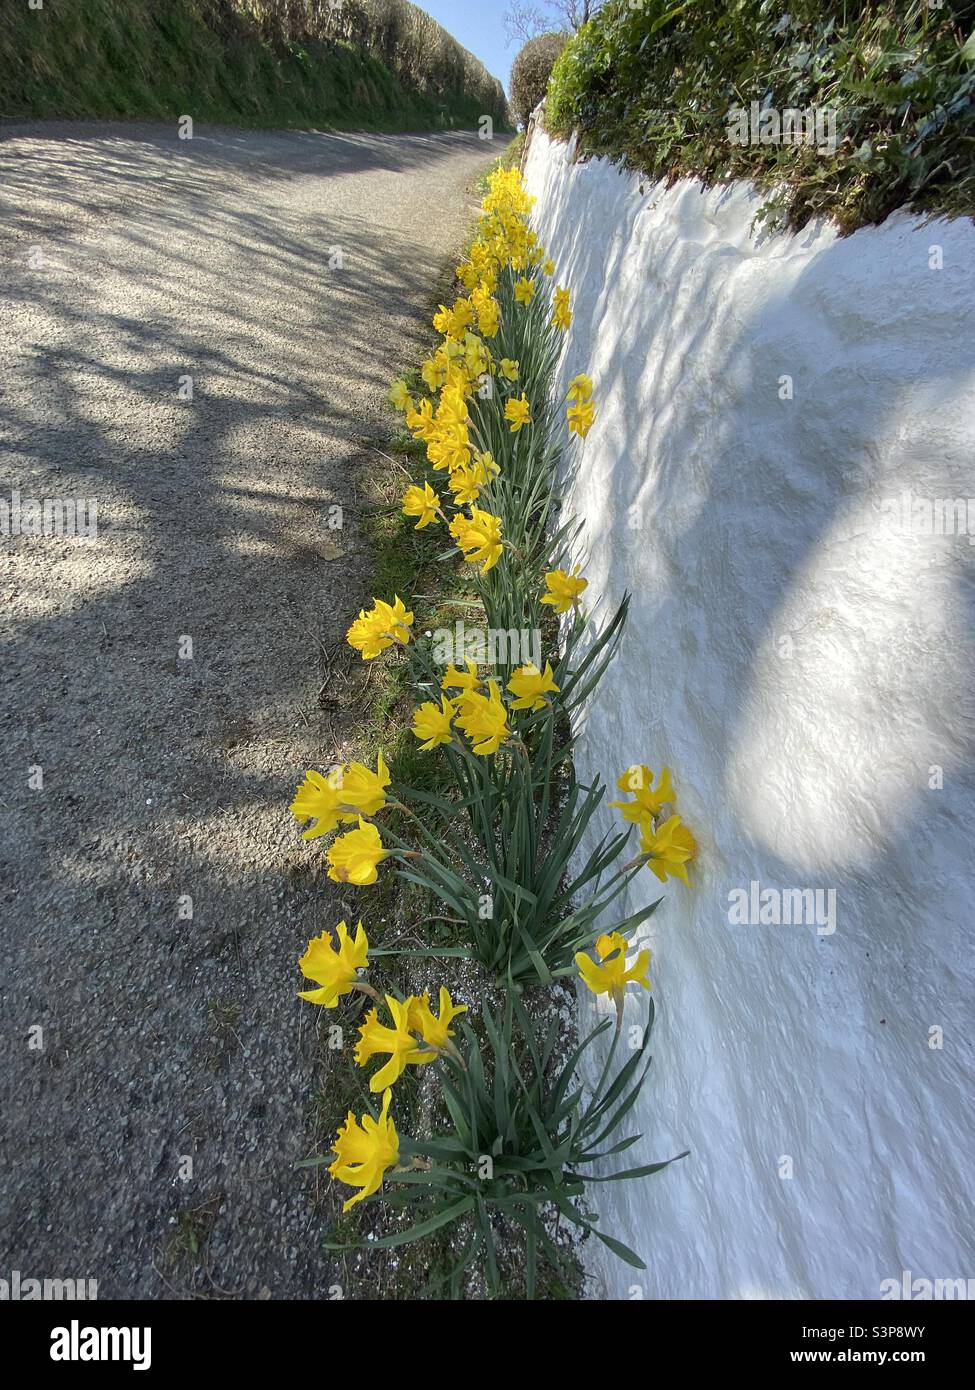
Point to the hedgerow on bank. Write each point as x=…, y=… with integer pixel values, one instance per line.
x=531, y=71
x=683, y=90
x=379, y=64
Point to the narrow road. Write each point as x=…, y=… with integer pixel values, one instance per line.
x=199, y=335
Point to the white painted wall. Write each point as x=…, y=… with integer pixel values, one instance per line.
x=737, y=519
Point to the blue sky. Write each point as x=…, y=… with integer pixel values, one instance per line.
x=477, y=24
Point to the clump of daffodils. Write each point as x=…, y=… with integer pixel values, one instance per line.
x=416, y=1036
x=480, y=710
x=505, y=259
x=367, y=1148
x=483, y=420
x=666, y=843
x=383, y=626
x=340, y=796
x=581, y=410
x=346, y=795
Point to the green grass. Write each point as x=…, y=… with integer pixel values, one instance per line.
x=653, y=86
x=216, y=61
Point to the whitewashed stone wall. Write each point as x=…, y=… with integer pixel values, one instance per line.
x=805, y=668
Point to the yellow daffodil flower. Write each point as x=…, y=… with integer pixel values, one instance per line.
x=561, y=314
x=581, y=417
x=613, y=975
x=421, y=502
x=548, y=267
x=489, y=319
x=318, y=798
x=647, y=803
x=531, y=686
x=463, y=314
x=420, y=422
x=509, y=369
x=479, y=537
x=670, y=847
x=563, y=589
x=436, y=1031
x=399, y=395
x=353, y=857
x=434, y=372
x=362, y=790
x=383, y=625
x=524, y=291
x=484, y=719
x=454, y=679
x=398, y=1041
x=465, y=486
x=466, y=483
x=433, y=725
x=518, y=413
x=365, y=1152
x=580, y=388
x=336, y=971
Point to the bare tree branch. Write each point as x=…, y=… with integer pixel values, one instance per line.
x=524, y=20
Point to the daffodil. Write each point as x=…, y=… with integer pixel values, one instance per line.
x=434, y=373
x=484, y=719
x=561, y=314
x=563, y=589
x=548, y=267
x=382, y=626
x=479, y=537
x=399, y=395
x=670, y=847
x=421, y=502
x=454, y=679
x=465, y=486
x=463, y=314
x=365, y=1152
x=436, y=1031
x=612, y=976
x=318, y=799
x=531, y=686
x=353, y=856
x=420, y=422
x=364, y=791
x=518, y=413
x=524, y=290
x=580, y=388
x=398, y=1041
x=647, y=800
x=509, y=369
x=336, y=971
x=466, y=483
x=489, y=319
x=580, y=418
x=433, y=725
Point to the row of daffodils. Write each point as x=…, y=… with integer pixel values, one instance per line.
x=500, y=848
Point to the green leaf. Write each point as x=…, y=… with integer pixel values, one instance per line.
x=644, y=1172
x=618, y=1248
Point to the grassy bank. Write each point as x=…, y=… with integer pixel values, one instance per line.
x=658, y=85
x=367, y=64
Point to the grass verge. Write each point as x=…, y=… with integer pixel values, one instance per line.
x=383, y=699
